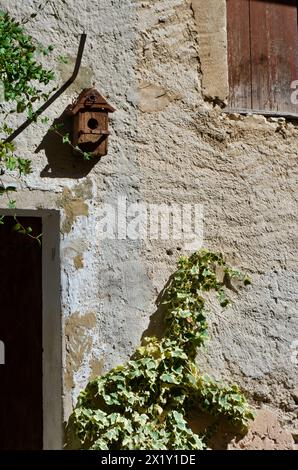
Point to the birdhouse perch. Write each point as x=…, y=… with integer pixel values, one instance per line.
x=90, y=122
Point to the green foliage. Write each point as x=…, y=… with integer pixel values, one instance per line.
x=23, y=81
x=146, y=403
x=12, y=162
x=57, y=129
x=20, y=72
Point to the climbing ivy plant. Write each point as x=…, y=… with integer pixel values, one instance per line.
x=23, y=82
x=146, y=403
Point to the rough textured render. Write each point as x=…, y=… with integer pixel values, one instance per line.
x=265, y=434
x=168, y=145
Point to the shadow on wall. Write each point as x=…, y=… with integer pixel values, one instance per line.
x=222, y=435
x=157, y=325
x=62, y=160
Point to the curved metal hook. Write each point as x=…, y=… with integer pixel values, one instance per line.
x=55, y=95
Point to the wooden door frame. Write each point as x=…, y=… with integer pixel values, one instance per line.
x=51, y=325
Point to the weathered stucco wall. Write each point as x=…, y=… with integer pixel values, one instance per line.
x=168, y=145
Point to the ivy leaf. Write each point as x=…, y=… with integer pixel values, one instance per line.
x=44, y=119
x=63, y=59
x=12, y=204
x=112, y=434
x=21, y=107
x=66, y=139
x=87, y=155
x=17, y=227
x=185, y=313
x=169, y=378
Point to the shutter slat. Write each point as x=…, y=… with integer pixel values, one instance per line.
x=239, y=59
x=274, y=43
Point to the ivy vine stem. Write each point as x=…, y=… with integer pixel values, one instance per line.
x=18, y=227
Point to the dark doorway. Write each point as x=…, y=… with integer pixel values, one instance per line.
x=262, y=56
x=21, y=416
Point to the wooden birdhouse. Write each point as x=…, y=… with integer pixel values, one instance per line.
x=90, y=122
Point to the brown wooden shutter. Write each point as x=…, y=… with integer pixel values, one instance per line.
x=262, y=54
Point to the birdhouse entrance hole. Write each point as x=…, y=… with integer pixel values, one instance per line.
x=92, y=123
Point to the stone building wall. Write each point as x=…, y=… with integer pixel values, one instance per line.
x=170, y=144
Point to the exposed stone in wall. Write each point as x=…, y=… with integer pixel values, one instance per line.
x=212, y=42
x=265, y=433
x=78, y=342
x=78, y=261
x=73, y=207
x=153, y=98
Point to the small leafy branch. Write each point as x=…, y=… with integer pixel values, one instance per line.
x=146, y=404
x=56, y=128
x=21, y=76
x=23, y=81
x=20, y=72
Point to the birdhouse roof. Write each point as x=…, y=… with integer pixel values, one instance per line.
x=92, y=99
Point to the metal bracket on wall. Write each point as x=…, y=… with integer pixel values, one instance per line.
x=56, y=95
